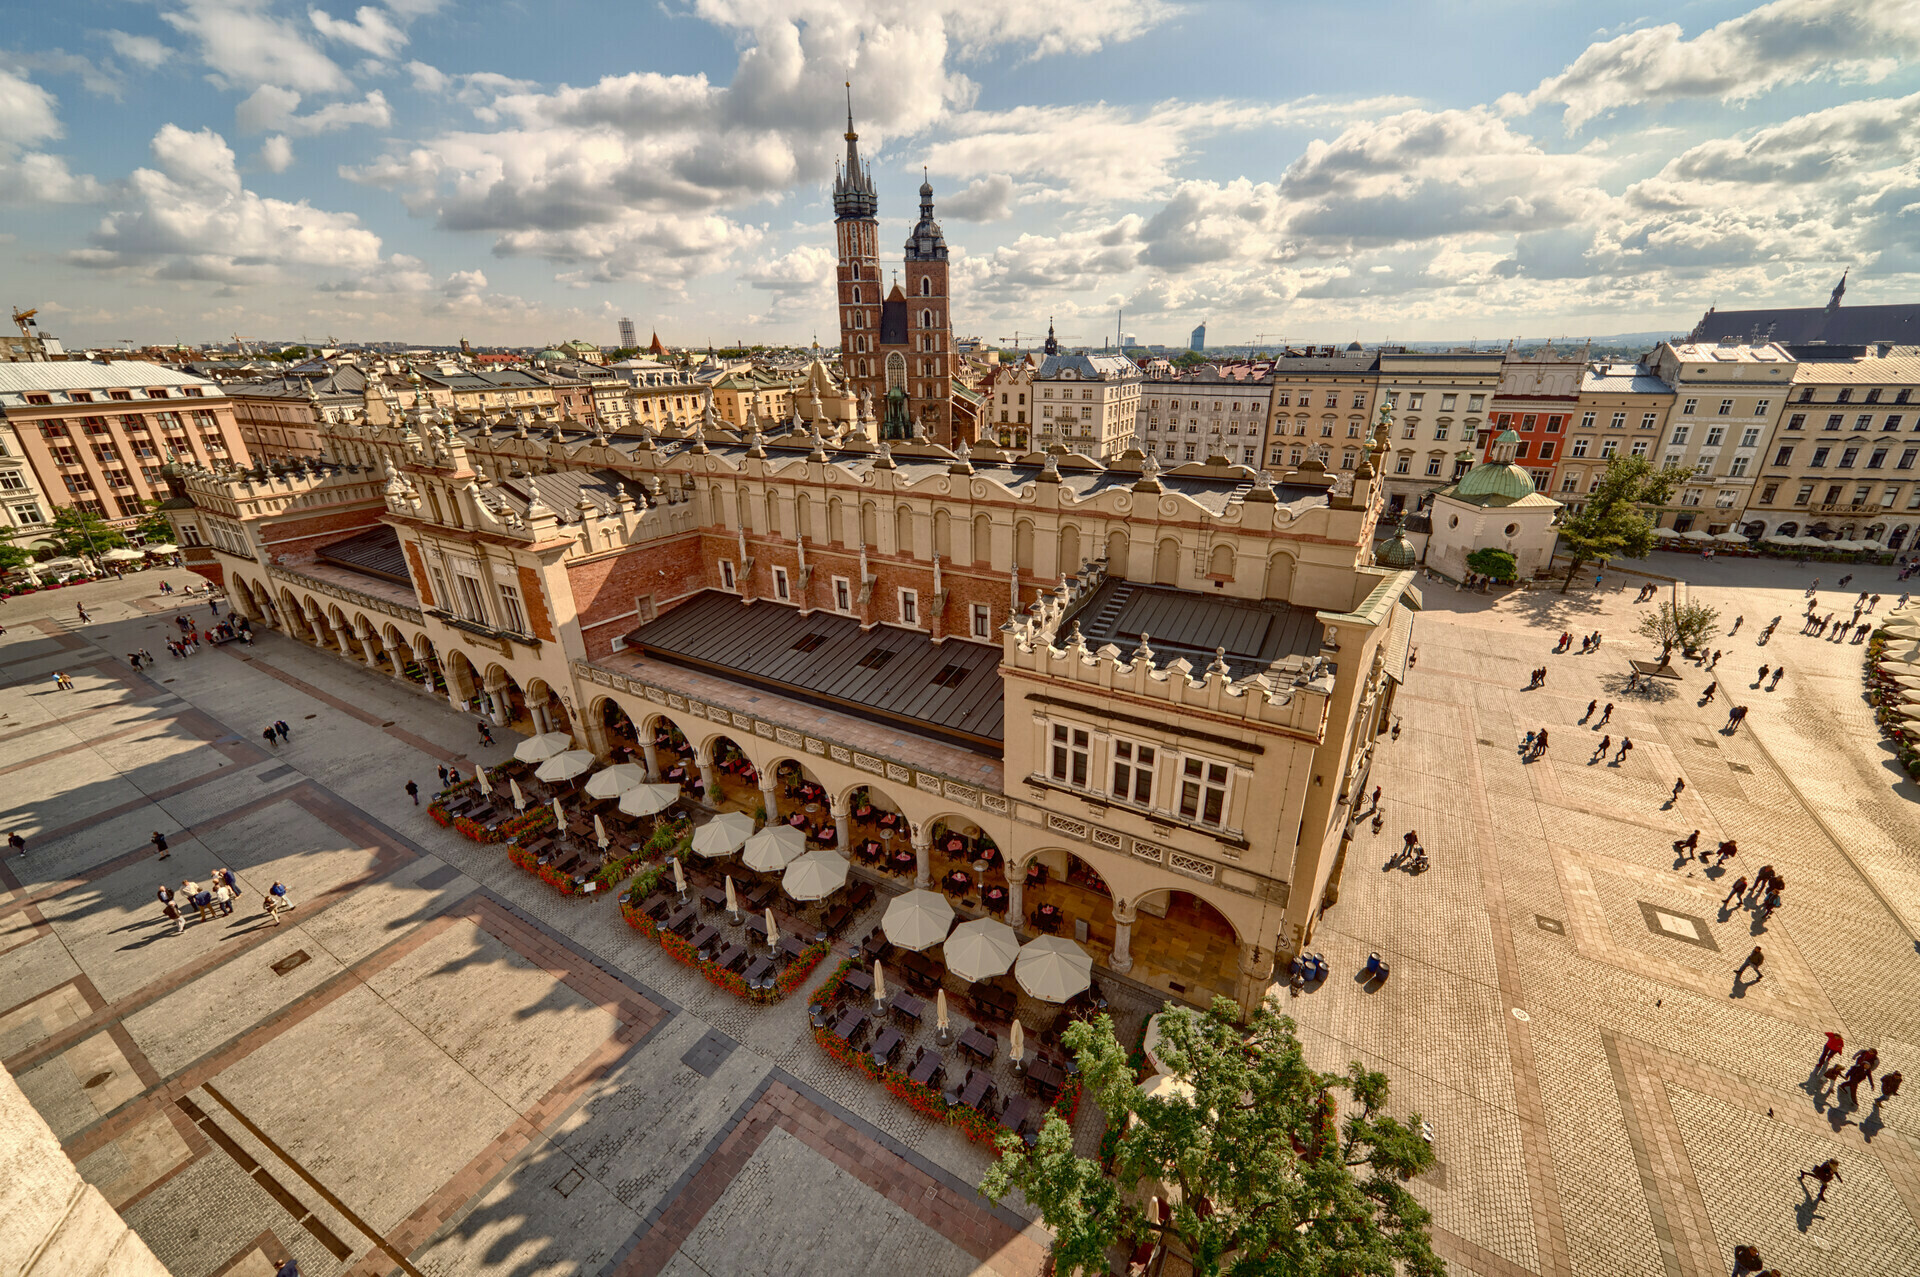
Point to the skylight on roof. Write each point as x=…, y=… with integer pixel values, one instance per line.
x=809, y=642
x=950, y=676
x=874, y=659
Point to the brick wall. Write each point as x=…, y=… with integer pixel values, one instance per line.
x=604, y=588
x=535, y=600
x=418, y=570
x=296, y=538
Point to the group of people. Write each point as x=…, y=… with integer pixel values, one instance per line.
x=1539, y=678
x=1535, y=745
x=1850, y=1078
x=214, y=899
x=275, y=733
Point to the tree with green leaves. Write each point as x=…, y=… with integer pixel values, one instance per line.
x=1493, y=562
x=11, y=555
x=153, y=529
x=78, y=531
x=1269, y=1165
x=1684, y=627
x=1614, y=520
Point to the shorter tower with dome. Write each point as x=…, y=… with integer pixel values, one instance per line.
x=1493, y=506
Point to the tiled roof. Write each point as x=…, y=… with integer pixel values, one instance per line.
x=949, y=690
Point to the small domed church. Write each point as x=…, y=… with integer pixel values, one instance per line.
x=896, y=346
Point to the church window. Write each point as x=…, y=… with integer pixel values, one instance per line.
x=926, y=319
x=896, y=372
x=856, y=292
x=926, y=286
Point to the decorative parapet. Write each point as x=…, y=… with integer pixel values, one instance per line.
x=346, y=594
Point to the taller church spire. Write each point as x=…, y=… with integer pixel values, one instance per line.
x=853, y=195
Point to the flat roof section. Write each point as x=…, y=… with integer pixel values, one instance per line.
x=375, y=552
x=949, y=690
x=1192, y=624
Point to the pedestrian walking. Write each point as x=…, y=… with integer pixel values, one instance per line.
x=1746, y=1259
x=1867, y=1060
x=1716, y=659
x=1726, y=851
x=1713, y=689
x=159, y=841
x=1843, y=581
x=203, y=901
x=1679, y=786
x=453, y=775
x=1738, y=621
x=413, y=792
x=172, y=910
x=443, y=775
x=1850, y=1085
x=1540, y=744
x=1606, y=743
x=1777, y=676
x=164, y=894
x=1412, y=840
x=84, y=618
x=1835, y=1044
x=1526, y=746
x=1754, y=960
x=16, y=844
x=279, y=892
x=1738, y=717
x=1686, y=846
x=1626, y=744
x=1606, y=715
x=1825, y=1174
x=1734, y=893
x=272, y=740
x=486, y=734
x=1591, y=706
x=224, y=876
x=1764, y=671
x=1889, y=1087
x=272, y=908
x=223, y=897
x=281, y=727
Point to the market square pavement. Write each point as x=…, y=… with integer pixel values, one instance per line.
x=436, y=1065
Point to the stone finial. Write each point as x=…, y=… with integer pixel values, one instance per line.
x=883, y=456
x=1050, y=472
x=962, y=459
x=1219, y=663
x=1143, y=652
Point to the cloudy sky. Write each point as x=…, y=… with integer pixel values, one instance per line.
x=425, y=170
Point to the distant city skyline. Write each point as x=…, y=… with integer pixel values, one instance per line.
x=418, y=173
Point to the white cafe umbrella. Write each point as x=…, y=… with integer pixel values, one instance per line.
x=519, y=799
x=1777, y=539
x=773, y=929
x=770, y=850
x=600, y=831
x=1695, y=534
x=679, y=877
x=940, y=1010
x=165, y=547
x=566, y=766
x=1731, y=538
x=879, y=983
x=1016, y=1041
x=538, y=749
x=122, y=555
x=559, y=815
x=486, y=781
x=645, y=800
x=611, y=782
x=917, y=920
x=1900, y=655
x=981, y=949
x=1664, y=533
x=815, y=876
x=1053, y=969
x=723, y=835
x=733, y=904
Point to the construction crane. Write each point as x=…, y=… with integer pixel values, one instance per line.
x=1015, y=339
x=24, y=320
x=241, y=342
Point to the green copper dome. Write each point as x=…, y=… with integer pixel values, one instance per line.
x=1498, y=477
x=1398, y=552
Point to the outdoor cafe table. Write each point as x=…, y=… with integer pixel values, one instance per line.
x=858, y=981
x=792, y=946
x=704, y=936
x=1014, y=1115
x=976, y=1088
x=868, y=850
x=906, y=1004
x=758, y=897
x=981, y=1046
x=1047, y=917
x=903, y=861
x=733, y=957
x=757, y=926
x=836, y=918
x=994, y=997
x=851, y=1021
x=957, y=882
x=682, y=916
x=995, y=899
x=713, y=897
x=886, y=1044
x=925, y=1067
x=759, y=969
x=873, y=946
x=920, y=967
x=1042, y=1073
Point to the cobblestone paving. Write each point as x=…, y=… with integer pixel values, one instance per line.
x=1647, y=1114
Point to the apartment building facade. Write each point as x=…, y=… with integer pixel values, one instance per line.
x=1728, y=399
x=1089, y=403
x=1439, y=401
x=1323, y=401
x=1536, y=399
x=1213, y=411
x=1843, y=460
x=1622, y=412
x=97, y=435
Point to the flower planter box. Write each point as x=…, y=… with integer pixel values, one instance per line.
x=682, y=951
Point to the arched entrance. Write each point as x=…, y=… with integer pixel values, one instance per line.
x=801, y=801
x=548, y=711
x=505, y=703
x=462, y=680
x=1183, y=944
x=674, y=760
x=882, y=836
x=621, y=737
x=733, y=780
x=968, y=866
x=1899, y=537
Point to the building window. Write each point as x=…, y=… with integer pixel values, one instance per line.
x=1587, y=419
x=1724, y=499
x=1070, y=755
x=1476, y=402
x=1133, y=772
x=1446, y=403
x=1403, y=465
x=1679, y=436
x=1876, y=458
x=1546, y=450
x=726, y=574
x=982, y=621
x=1440, y=433
x=1608, y=448
x=1750, y=437
x=1892, y=423
x=512, y=615
x=1726, y=407
x=1687, y=408
x=1833, y=421
x=472, y=601
x=1520, y=453
x=1433, y=467
x=842, y=595
x=1648, y=420
x=1639, y=447
x=1767, y=493
x=1796, y=421
x=909, y=607
x=1805, y=493
x=1570, y=483
x=1847, y=456
x=1738, y=468
x=1907, y=457
x=781, y=590
x=1579, y=448
x=1203, y=791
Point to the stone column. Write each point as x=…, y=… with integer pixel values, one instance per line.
x=922, y=856
x=426, y=672
x=399, y=669
x=367, y=648
x=648, y=761
x=1256, y=972
x=491, y=699
x=709, y=775
x=769, y=795
x=539, y=715
x=843, y=823
x=1122, y=938
x=1016, y=902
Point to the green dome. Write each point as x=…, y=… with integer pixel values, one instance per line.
x=1498, y=477
x=1397, y=552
